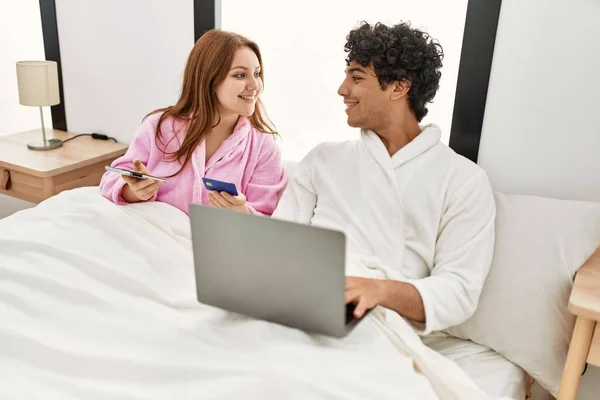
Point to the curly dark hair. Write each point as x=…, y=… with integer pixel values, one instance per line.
x=398, y=53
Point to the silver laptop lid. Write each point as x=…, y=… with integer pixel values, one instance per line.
x=270, y=269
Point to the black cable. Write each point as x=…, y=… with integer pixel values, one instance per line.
x=97, y=136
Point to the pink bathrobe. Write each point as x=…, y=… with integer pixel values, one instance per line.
x=248, y=158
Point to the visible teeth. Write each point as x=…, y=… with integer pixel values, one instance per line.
x=247, y=97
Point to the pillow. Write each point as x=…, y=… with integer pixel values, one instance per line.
x=522, y=312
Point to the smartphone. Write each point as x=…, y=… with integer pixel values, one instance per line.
x=133, y=173
x=220, y=186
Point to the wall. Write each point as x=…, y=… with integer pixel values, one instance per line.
x=121, y=60
x=303, y=54
x=20, y=39
x=539, y=135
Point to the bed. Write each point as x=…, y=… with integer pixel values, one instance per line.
x=98, y=301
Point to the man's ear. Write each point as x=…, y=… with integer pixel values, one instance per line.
x=400, y=89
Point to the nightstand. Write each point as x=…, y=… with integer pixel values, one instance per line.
x=585, y=343
x=36, y=175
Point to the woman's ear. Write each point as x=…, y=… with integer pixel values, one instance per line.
x=400, y=89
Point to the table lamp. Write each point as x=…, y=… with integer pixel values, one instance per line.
x=38, y=86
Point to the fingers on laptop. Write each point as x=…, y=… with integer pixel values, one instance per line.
x=361, y=299
x=361, y=309
x=354, y=298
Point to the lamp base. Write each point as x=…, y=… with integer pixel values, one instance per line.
x=49, y=144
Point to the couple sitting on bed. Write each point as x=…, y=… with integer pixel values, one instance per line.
x=397, y=192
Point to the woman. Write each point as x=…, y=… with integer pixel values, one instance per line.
x=217, y=129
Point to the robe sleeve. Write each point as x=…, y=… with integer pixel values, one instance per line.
x=267, y=183
x=111, y=184
x=300, y=197
x=463, y=256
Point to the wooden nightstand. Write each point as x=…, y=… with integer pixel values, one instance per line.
x=36, y=175
x=585, y=343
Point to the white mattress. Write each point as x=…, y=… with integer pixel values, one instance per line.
x=98, y=301
x=493, y=373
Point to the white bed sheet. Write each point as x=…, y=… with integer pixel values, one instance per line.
x=98, y=301
x=490, y=371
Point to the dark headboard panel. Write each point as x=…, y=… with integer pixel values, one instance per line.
x=52, y=50
x=473, y=76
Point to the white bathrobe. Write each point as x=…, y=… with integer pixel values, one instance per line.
x=423, y=216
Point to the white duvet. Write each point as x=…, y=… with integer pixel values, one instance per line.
x=97, y=301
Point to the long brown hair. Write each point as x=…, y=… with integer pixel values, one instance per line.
x=207, y=67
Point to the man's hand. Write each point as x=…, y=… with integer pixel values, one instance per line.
x=225, y=200
x=400, y=297
x=366, y=293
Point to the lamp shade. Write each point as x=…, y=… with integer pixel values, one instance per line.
x=38, y=83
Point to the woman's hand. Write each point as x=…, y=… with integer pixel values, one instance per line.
x=225, y=200
x=136, y=189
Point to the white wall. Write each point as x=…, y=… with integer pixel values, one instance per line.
x=539, y=132
x=121, y=60
x=20, y=39
x=302, y=44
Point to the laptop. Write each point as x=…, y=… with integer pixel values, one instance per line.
x=274, y=270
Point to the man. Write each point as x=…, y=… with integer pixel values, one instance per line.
x=418, y=217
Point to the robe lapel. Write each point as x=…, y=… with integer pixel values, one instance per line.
x=235, y=142
x=392, y=252
x=391, y=243
x=198, y=165
x=429, y=137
